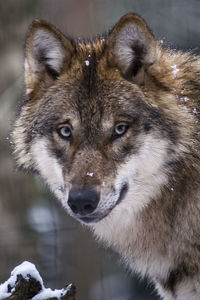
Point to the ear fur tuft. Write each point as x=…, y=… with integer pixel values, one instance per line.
x=132, y=45
x=47, y=50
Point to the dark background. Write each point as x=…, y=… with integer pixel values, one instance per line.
x=33, y=225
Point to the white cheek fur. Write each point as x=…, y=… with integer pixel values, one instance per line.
x=49, y=168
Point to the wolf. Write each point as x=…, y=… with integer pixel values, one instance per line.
x=112, y=125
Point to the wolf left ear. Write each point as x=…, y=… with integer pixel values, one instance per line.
x=131, y=45
x=47, y=53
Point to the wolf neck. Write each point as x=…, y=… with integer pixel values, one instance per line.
x=136, y=236
x=146, y=240
x=139, y=244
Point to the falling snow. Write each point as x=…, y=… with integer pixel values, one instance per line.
x=184, y=99
x=90, y=174
x=87, y=63
x=175, y=70
x=195, y=111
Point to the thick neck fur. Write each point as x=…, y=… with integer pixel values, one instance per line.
x=157, y=239
x=155, y=228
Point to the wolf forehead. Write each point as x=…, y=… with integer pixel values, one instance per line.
x=75, y=103
x=87, y=81
x=87, y=89
x=105, y=103
x=84, y=75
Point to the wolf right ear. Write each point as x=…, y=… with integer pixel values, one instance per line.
x=47, y=52
x=131, y=45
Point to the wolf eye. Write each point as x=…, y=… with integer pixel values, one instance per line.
x=119, y=130
x=64, y=131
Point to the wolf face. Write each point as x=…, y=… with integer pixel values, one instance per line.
x=87, y=126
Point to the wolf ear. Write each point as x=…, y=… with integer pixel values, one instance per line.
x=131, y=45
x=47, y=52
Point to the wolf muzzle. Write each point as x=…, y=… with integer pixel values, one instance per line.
x=83, y=201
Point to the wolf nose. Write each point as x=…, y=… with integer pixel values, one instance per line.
x=83, y=202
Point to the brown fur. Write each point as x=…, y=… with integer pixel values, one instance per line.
x=125, y=76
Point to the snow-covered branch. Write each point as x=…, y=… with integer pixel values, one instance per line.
x=26, y=283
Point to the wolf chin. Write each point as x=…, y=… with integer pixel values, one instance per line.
x=112, y=125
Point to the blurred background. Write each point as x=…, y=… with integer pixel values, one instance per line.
x=33, y=225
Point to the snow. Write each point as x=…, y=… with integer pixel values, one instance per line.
x=90, y=174
x=184, y=99
x=48, y=293
x=175, y=70
x=27, y=269
x=9, y=140
x=87, y=63
x=195, y=111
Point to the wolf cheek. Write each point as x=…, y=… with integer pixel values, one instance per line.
x=49, y=168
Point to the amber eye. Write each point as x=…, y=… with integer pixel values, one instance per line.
x=65, y=131
x=119, y=130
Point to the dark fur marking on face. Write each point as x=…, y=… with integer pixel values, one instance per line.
x=127, y=150
x=147, y=127
x=57, y=153
x=43, y=128
x=168, y=127
x=89, y=73
x=123, y=192
x=149, y=117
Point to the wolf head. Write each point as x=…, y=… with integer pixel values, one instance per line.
x=94, y=123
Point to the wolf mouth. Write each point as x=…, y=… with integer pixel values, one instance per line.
x=122, y=194
x=96, y=217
